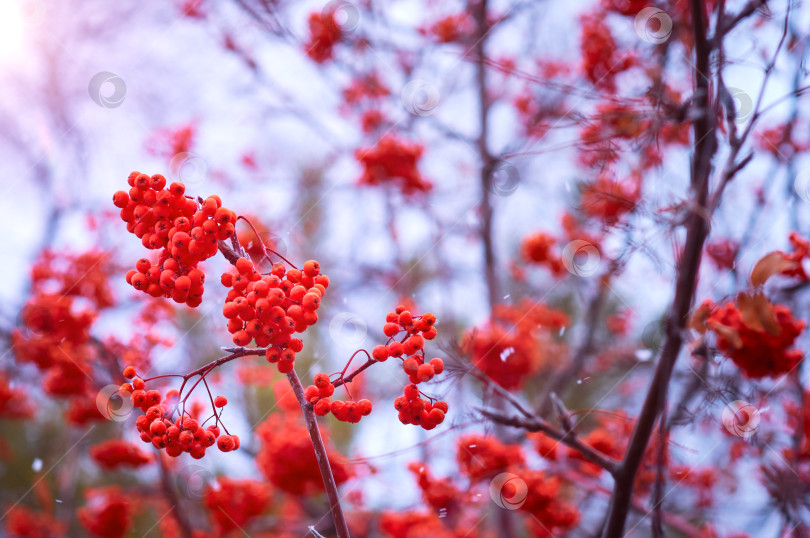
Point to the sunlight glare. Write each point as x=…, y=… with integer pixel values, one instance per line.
x=13, y=27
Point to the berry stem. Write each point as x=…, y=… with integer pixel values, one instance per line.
x=352, y=358
x=264, y=247
x=341, y=528
x=347, y=379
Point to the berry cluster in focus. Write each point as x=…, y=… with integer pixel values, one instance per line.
x=184, y=434
x=269, y=309
x=415, y=410
x=345, y=411
x=187, y=231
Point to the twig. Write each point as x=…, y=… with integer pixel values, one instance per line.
x=341, y=528
x=696, y=232
x=569, y=438
x=171, y=495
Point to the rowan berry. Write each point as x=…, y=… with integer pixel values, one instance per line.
x=138, y=398
x=272, y=354
x=405, y=319
x=312, y=268
x=438, y=365
x=352, y=413
x=337, y=408
x=220, y=401
x=142, y=422
x=139, y=281
x=321, y=380
x=129, y=372
x=241, y=338
x=182, y=284
x=395, y=349
x=410, y=365
x=311, y=301
x=157, y=428
x=154, y=413
x=311, y=393
x=425, y=372
x=189, y=423
x=380, y=353
x=364, y=407
x=413, y=344
x=322, y=407
x=244, y=266
x=185, y=438
x=157, y=182
x=197, y=452
x=390, y=329
x=411, y=392
x=120, y=199
x=177, y=189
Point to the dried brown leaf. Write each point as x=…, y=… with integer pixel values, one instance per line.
x=771, y=264
x=757, y=312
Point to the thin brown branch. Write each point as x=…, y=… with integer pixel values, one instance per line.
x=686, y=282
x=341, y=528
x=186, y=529
x=487, y=161
x=569, y=438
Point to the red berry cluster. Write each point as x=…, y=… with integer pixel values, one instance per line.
x=393, y=160
x=417, y=411
x=345, y=411
x=325, y=32
x=184, y=434
x=758, y=350
x=406, y=336
x=411, y=342
x=164, y=218
x=271, y=308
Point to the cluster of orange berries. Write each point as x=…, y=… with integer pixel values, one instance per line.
x=188, y=232
x=271, y=308
x=345, y=411
x=417, y=411
x=184, y=434
x=411, y=341
x=406, y=336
